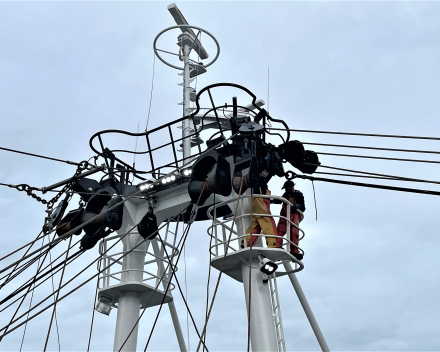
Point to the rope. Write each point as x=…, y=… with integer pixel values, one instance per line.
x=221, y=269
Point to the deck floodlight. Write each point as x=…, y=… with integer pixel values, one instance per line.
x=104, y=305
x=267, y=266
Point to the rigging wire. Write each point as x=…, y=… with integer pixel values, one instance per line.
x=10, y=304
x=76, y=288
x=374, y=148
x=381, y=158
x=184, y=236
x=57, y=295
x=369, y=185
x=151, y=92
x=209, y=272
x=74, y=277
x=250, y=276
x=181, y=293
x=60, y=238
x=30, y=305
x=393, y=177
x=221, y=270
x=26, y=284
x=27, y=251
x=24, y=297
x=53, y=289
x=102, y=213
x=40, y=156
x=314, y=197
x=361, y=134
x=94, y=302
x=186, y=295
x=184, y=300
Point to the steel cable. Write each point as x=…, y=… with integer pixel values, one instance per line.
x=79, y=286
x=374, y=148
x=40, y=156
x=360, y=134
x=381, y=158
x=57, y=295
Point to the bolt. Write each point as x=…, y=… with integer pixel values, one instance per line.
x=90, y=189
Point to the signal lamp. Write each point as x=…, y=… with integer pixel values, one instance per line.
x=104, y=305
x=267, y=266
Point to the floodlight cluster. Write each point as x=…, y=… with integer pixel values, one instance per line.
x=168, y=179
x=145, y=186
x=269, y=268
x=186, y=172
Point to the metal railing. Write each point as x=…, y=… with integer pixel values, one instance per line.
x=221, y=246
x=111, y=277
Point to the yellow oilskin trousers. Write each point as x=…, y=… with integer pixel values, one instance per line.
x=266, y=224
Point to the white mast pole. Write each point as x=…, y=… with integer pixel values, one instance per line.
x=263, y=337
x=129, y=304
x=187, y=126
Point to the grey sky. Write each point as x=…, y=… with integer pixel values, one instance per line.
x=69, y=69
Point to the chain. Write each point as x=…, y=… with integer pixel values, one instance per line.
x=28, y=189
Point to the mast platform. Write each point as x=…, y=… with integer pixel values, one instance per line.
x=234, y=260
x=150, y=296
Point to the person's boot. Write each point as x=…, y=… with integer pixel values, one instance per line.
x=298, y=256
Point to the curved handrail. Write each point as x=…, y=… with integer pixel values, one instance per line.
x=214, y=249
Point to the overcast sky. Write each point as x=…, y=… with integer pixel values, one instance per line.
x=70, y=69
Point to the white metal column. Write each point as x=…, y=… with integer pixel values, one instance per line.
x=310, y=316
x=171, y=305
x=130, y=302
x=187, y=126
x=263, y=337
